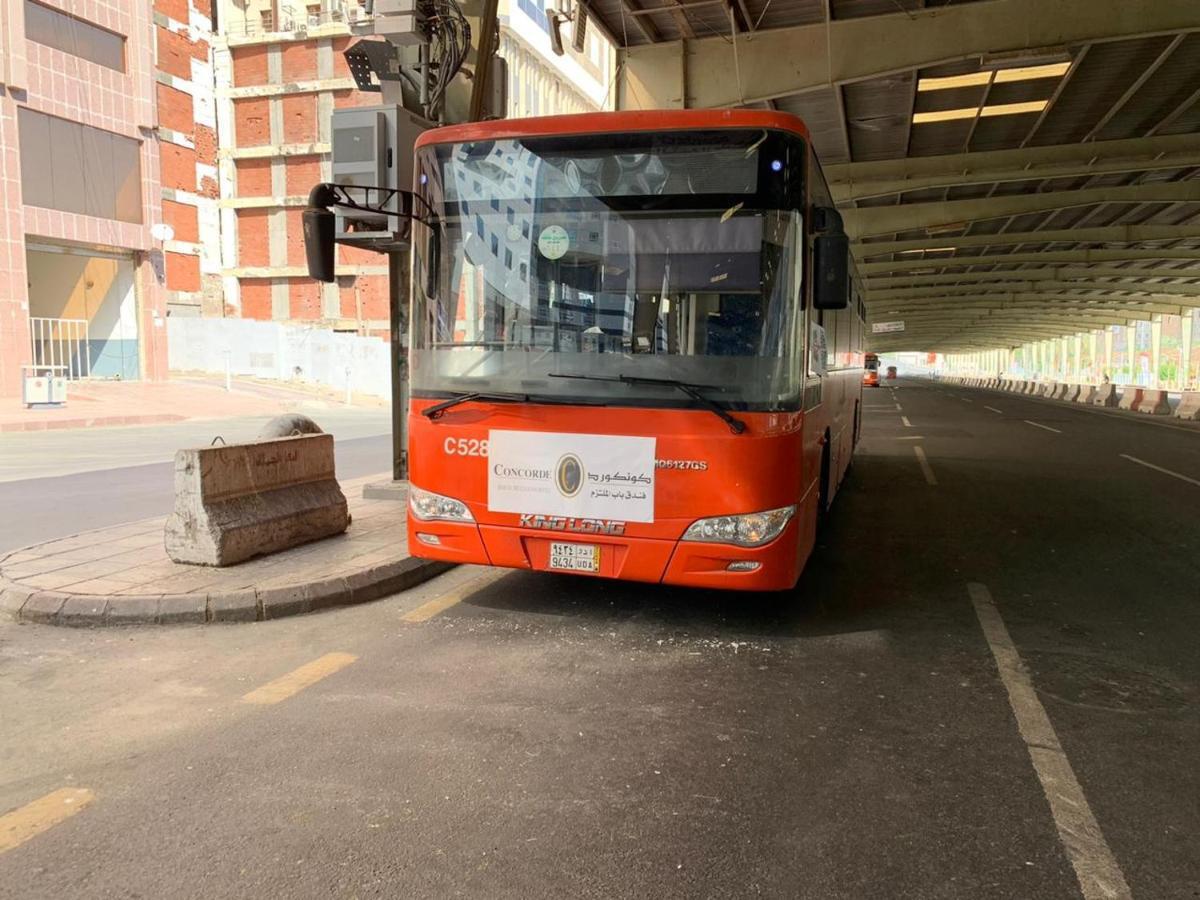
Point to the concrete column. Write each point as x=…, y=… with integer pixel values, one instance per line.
x=1185, y=357
x=1155, y=351
x=14, y=294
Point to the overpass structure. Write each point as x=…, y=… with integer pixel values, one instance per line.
x=1018, y=176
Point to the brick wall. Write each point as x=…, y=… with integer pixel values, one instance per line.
x=184, y=95
x=280, y=94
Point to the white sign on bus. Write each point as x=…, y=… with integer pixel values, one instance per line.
x=583, y=475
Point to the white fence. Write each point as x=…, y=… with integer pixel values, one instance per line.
x=280, y=352
x=61, y=342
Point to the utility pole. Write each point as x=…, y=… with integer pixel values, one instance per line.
x=398, y=288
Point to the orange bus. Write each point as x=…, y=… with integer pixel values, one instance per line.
x=871, y=370
x=635, y=347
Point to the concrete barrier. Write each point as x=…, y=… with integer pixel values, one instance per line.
x=243, y=500
x=1071, y=393
x=1087, y=393
x=1130, y=397
x=1189, y=406
x=1154, y=403
x=1106, y=395
x=1048, y=389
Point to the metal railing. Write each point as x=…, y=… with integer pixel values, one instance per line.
x=61, y=342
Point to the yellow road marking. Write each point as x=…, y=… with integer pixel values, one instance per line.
x=33, y=818
x=296, y=681
x=440, y=604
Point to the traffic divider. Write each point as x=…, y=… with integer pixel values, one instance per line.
x=1189, y=406
x=1106, y=395
x=1154, y=403
x=238, y=501
x=1087, y=393
x=1130, y=398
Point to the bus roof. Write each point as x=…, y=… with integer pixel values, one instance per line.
x=617, y=122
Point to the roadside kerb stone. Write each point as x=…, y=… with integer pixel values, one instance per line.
x=132, y=611
x=83, y=610
x=236, y=606
x=43, y=607
x=183, y=609
x=12, y=598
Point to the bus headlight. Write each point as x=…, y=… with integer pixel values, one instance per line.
x=750, y=530
x=426, y=505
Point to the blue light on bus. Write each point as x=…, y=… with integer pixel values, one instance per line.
x=776, y=165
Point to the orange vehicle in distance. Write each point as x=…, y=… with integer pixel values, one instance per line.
x=871, y=370
x=635, y=346
x=891, y=373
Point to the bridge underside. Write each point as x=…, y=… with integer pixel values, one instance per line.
x=1009, y=170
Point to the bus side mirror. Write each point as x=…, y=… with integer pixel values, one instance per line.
x=319, y=225
x=831, y=267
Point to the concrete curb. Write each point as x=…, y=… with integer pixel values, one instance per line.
x=26, y=604
x=90, y=422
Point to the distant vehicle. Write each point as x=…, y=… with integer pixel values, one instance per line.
x=891, y=372
x=871, y=370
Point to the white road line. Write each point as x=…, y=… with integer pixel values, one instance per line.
x=1096, y=869
x=966, y=399
x=915, y=437
x=926, y=469
x=1040, y=425
x=899, y=408
x=1142, y=462
x=993, y=409
x=907, y=424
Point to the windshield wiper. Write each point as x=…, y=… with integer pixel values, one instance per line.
x=737, y=426
x=435, y=411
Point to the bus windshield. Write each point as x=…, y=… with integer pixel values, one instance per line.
x=670, y=256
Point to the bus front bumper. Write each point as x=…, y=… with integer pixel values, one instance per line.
x=774, y=566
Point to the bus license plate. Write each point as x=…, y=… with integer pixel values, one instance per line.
x=575, y=557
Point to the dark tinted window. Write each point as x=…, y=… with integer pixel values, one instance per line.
x=75, y=36
x=79, y=169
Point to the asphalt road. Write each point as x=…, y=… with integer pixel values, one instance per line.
x=521, y=735
x=79, y=489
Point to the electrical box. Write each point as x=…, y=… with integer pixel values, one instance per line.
x=401, y=22
x=497, y=101
x=373, y=147
x=43, y=385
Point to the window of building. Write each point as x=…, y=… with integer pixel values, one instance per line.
x=53, y=28
x=75, y=168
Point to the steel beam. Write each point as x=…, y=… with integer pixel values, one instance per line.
x=781, y=62
x=860, y=181
x=1111, y=234
x=876, y=220
x=1050, y=273
x=1181, y=294
x=1046, y=257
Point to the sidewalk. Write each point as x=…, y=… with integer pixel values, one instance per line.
x=122, y=576
x=94, y=404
